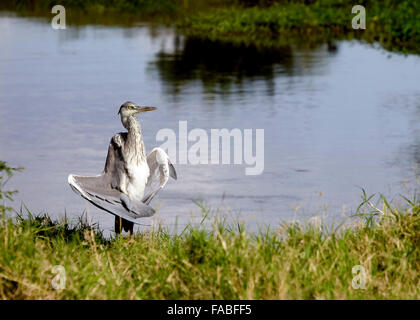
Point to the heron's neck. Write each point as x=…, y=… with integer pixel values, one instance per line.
x=134, y=146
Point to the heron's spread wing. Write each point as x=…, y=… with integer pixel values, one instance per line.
x=99, y=193
x=103, y=190
x=161, y=169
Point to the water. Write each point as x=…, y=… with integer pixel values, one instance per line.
x=337, y=117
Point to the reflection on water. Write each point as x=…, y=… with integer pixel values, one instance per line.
x=219, y=66
x=336, y=117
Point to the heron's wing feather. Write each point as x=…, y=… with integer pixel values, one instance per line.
x=114, y=164
x=97, y=190
x=172, y=172
x=160, y=170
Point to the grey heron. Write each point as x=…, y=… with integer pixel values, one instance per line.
x=130, y=179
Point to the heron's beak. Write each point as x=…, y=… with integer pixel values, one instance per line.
x=144, y=109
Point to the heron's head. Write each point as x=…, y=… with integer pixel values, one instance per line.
x=129, y=109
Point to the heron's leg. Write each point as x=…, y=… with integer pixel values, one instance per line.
x=118, y=225
x=130, y=229
x=128, y=226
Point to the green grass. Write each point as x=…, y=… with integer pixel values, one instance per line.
x=395, y=24
x=311, y=261
x=213, y=260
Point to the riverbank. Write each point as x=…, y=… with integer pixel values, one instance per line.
x=375, y=258
x=395, y=25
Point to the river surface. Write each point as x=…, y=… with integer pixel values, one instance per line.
x=337, y=118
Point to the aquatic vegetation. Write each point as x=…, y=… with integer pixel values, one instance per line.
x=392, y=23
x=6, y=173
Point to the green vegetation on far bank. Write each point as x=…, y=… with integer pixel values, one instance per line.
x=395, y=24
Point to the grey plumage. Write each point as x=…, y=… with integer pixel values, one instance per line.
x=130, y=180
